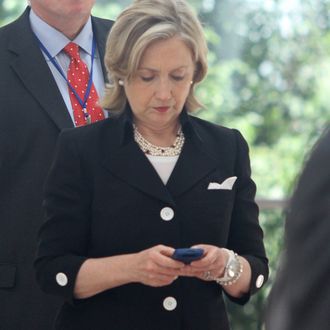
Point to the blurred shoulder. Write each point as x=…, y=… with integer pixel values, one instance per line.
x=321, y=148
x=19, y=25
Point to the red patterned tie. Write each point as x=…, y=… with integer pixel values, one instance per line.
x=78, y=77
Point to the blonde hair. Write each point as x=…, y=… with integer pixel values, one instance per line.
x=139, y=25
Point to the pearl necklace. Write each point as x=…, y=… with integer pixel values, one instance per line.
x=150, y=149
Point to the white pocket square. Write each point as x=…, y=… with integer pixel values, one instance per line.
x=225, y=185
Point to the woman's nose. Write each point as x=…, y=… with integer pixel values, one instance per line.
x=164, y=90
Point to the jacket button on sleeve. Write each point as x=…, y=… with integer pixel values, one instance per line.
x=167, y=213
x=260, y=281
x=61, y=279
x=170, y=304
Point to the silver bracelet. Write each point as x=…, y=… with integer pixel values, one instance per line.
x=233, y=270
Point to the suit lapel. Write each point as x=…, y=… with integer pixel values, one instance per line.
x=30, y=66
x=101, y=29
x=127, y=162
x=193, y=165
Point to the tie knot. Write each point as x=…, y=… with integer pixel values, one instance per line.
x=72, y=49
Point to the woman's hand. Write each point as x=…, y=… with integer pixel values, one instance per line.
x=155, y=267
x=211, y=266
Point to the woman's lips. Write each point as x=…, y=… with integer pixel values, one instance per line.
x=162, y=109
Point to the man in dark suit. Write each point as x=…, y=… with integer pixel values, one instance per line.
x=300, y=298
x=34, y=107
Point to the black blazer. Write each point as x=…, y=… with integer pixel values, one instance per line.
x=103, y=198
x=300, y=297
x=32, y=113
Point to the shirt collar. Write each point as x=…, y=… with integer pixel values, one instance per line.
x=55, y=41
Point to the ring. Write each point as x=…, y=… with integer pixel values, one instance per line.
x=207, y=275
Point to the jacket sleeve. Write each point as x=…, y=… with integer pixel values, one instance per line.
x=63, y=238
x=246, y=235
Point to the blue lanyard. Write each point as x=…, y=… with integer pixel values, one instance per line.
x=82, y=102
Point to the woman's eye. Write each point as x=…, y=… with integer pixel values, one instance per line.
x=178, y=78
x=146, y=79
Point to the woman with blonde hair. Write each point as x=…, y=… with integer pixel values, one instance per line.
x=125, y=195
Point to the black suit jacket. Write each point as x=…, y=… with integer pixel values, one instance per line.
x=103, y=198
x=32, y=113
x=300, y=297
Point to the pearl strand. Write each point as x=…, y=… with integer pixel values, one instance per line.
x=150, y=149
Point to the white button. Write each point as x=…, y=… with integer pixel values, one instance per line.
x=170, y=303
x=260, y=281
x=61, y=279
x=166, y=213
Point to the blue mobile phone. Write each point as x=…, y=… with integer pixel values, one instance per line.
x=187, y=255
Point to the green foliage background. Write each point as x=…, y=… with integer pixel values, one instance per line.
x=269, y=72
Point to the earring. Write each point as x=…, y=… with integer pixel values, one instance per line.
x=191, y=82
x=120, y=82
